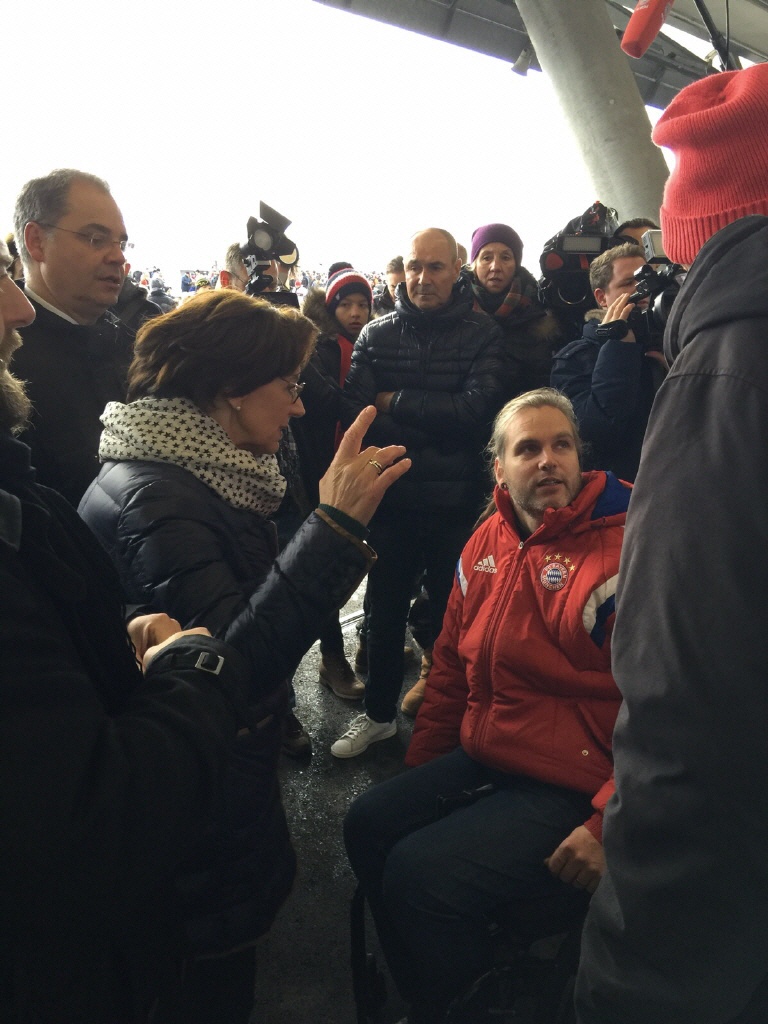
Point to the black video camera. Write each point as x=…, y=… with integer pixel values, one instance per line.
x=564, y=285
x=659, y=281
x=267, y=241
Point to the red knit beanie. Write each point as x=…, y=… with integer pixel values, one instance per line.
x=718, y=130
x=343, y=283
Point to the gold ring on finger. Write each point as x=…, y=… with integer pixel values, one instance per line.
x=376, y=465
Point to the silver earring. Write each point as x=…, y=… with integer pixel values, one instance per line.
x=504, y=487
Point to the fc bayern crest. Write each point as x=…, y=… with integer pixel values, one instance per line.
x=554, y=576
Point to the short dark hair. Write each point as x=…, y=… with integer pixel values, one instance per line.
x=636, y=222
x=45, y=201
x=395, y=266
x=601, y=267
x=218, y=343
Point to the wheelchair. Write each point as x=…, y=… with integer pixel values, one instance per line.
x=531, y=980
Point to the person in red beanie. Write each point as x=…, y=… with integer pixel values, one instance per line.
x=678, y=929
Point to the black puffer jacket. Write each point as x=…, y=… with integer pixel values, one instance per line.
x=180, y=548
x=450, y=377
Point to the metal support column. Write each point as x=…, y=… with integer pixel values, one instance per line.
x=577, y=47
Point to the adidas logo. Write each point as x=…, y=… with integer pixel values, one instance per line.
x=486, y=565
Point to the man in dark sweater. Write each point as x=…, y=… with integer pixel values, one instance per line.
x=71, y=238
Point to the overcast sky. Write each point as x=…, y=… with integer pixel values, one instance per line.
x=358, y=132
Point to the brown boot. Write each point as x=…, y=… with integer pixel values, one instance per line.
x=296, y=739
x=336, y=673
x=412, y=701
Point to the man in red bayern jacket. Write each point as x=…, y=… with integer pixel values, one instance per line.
x=511, y=752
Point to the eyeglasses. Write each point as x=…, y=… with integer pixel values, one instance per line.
x=295, y=388
x=97, y=240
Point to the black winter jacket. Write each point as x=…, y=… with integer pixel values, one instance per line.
x=323, y=398
x=678, y=927
x=71, y=374
x=180, y=548
x=106, y=776
x=450, y=377
x=163, y=300
x=531, y=333
x=383, y=303
x=611, y=385
x=133, y=307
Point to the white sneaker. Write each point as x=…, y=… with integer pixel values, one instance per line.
x=360, y=735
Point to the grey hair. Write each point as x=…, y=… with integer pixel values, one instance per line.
x=537, y=399
x=233, y=261
x=45, y=201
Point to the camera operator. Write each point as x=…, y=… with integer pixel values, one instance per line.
x=236, y=275
x=632, y=230
x=613, y=371
x=678, y=929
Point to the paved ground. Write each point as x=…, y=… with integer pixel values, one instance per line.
x=303, y=974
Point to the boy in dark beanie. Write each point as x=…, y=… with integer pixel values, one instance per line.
x=340, y=313
x=678, y=928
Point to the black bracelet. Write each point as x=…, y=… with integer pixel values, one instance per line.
x=349, y=524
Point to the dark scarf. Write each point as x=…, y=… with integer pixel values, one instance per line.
x=520, y=303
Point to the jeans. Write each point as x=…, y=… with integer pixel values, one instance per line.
x=434, y=884
x=406, y=542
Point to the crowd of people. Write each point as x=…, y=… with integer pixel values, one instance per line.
x=190, y=492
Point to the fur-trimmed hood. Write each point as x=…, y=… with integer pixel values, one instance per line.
x=315, y=309
x=595, y=314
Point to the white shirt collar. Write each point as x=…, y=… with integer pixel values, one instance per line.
x=48, y=306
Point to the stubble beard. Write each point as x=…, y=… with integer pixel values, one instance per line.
x=527, y=502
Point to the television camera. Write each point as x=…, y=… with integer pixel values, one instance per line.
x=659, y=281
x=267, y=242
x=564, y=262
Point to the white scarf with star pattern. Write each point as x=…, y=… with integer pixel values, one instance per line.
x=175, y=431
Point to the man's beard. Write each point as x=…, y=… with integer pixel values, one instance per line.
x=534, y=505
x=15, y=407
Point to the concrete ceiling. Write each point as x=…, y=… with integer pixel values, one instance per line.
x=494, y=27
